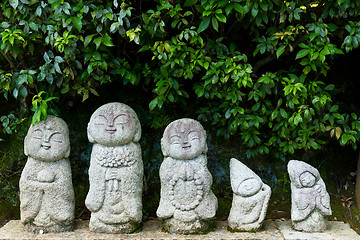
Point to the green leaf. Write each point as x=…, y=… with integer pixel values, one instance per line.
x=107, y=41
x=153, y=104
x=14, y=3
x=330, y=87
x=302, y=53
x=334, y=108
x=59, y=59
x=88, y=39
x=215, y=23
x=97, y=41
x=283, y=113
x=280, y=51
x=189, y=3
x=33, y=26
x=38, y=11
x=77, y=23
x=204, y=24
x=221, y=17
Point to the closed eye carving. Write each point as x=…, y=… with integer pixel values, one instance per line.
x=192, y=136
x=121, y=119
x=175, y=140
x=56, y=137
x=100, y=120
x=38, y=134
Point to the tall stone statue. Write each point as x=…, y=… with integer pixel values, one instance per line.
x=250, y=199
x=187, y=202
x=310, y=202
x=116, y=170
x=47, y=200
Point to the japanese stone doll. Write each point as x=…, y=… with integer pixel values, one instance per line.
x=187, y=202
x=116, y=170
x=250, y=200
x=46, y=192
x=310, y=202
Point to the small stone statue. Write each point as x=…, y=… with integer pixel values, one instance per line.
x=116, y=170
x=310, y=202
x=187, y=202
x=46, y=190
x=250, y=199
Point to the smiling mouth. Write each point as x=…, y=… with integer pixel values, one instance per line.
x=186, y=147
x=46, y=147
x=111, y=131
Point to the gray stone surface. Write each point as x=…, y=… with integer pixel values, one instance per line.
x=310, y=202
x=187, y=202
x=335, y=231
x=271, y=230
x=250, y=199
x=46, y=192
x=116, y=170
x=150, y=230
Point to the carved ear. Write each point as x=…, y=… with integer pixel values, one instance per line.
x=90, y=137
x=137, y=135
x=67, y=154
x=25, y=149
x=164, y=147
x=25, y=146
x=205, y=148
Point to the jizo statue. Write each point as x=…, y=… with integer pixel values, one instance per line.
x=46, y=190
x=187, y=202
x=116, y=170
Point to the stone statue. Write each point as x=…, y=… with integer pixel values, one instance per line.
x=250, y=199
x=46, y=190
x=187, y=202
x=116, y=170
x=310, y=202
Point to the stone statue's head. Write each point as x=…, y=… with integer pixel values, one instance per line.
x=48, y=140
x=303, y=175
x=249, y=187
x=184, y=139
x=114, y=124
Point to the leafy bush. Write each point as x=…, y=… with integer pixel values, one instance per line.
x=253, y=68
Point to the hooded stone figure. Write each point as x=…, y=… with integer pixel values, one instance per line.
x=186, y=202
x=310, y=202
x=46, y=192
x=250, y=199
x=116, y=170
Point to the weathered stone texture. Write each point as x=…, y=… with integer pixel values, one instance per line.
x=310, y=202
x=187, y=202
x=250, y=199
x=46, y=192
x=116, y=170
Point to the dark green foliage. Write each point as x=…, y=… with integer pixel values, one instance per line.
x=251, y=68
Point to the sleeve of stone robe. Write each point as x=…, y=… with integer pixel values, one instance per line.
x=95, y=197
x=265, y=201
x=166, y=209
x=132, y=186
x=323, y=199
x=303, y=203
x=60, y=196
x=30, y=194
x=207, y=208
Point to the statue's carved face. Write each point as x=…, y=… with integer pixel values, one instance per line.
x=48, y=140
x=307, y=179
x=249, y=187
x=185, y=140
x=112, y=125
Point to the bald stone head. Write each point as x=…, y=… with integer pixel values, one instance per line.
x=184, y=139
x=114, y=124
x=48, y=140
